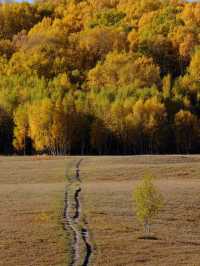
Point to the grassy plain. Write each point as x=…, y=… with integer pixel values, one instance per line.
x=31, y=206
x=108, y=183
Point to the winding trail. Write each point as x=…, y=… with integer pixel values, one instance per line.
x=79, y=229
x=69, y=223
x=86, y=240
x=77, y=201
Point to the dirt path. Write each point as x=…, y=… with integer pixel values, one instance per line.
x=77, y=202
x=69, y=223
x=81, y=238
x=85, y=236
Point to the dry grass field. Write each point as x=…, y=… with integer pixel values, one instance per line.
x=31, y=205
x=108, y=206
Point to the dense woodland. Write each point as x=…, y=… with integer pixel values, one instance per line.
x=100, y=77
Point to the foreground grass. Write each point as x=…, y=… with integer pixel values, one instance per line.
x=107, y=197
x=31, y=209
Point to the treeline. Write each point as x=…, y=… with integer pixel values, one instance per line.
x=100, y=77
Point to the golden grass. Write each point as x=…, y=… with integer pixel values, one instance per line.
x=108, y=206
x=31, y=205
x=31, y=209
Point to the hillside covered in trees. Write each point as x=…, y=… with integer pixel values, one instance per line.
x=100, y=77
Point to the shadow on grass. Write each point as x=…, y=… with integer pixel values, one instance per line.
x=189, y=243
x=148, y=238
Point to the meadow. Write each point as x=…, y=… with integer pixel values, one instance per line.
x=32, y=201
x=31, y=206
x=108, y=205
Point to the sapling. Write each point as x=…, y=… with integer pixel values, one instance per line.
x=148, y=202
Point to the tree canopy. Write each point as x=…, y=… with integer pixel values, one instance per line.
x=100, y=77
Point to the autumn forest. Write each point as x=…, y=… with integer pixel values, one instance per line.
x=100, y=77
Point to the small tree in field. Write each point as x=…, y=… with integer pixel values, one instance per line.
x=148, y=201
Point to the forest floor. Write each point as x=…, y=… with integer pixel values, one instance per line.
x=32, y=200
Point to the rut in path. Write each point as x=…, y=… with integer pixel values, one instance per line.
x=79, y=231
x=85, y=237
x=68, y=223
x=77, y=202
x=78, y=170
